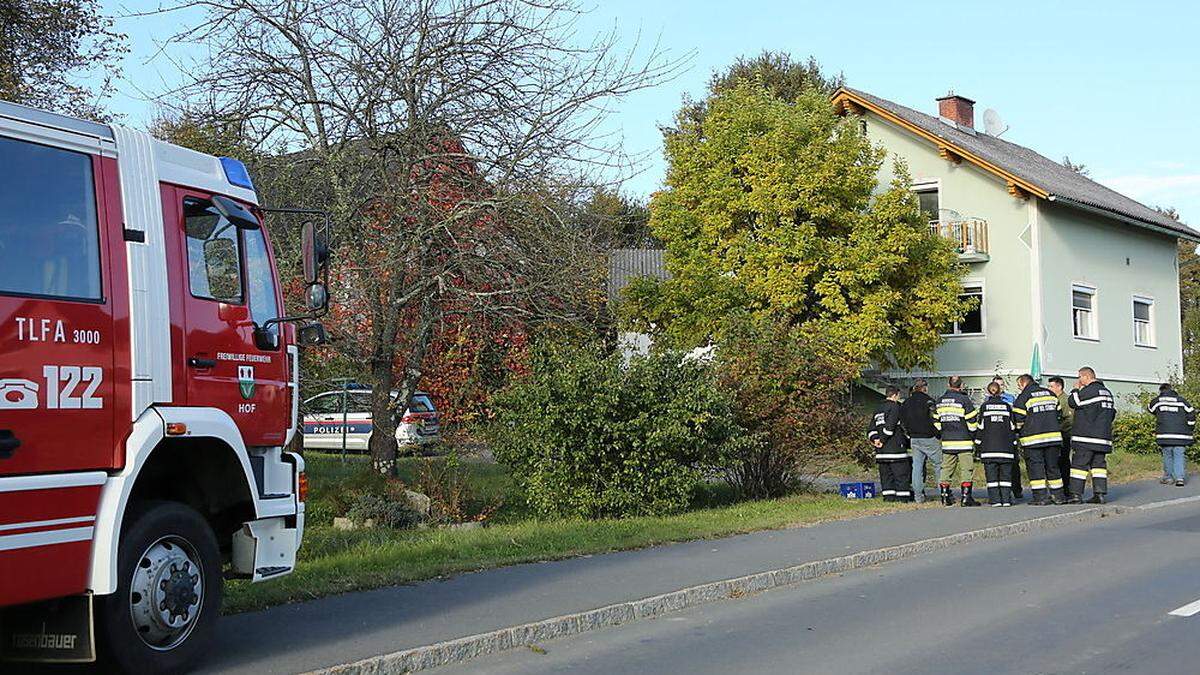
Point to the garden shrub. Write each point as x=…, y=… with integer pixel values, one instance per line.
x=1134, y=433
x=587, y=435
x=384, y=510
x=790, y=393
x=453, y=497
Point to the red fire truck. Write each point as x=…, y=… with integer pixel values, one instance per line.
x=148, y=393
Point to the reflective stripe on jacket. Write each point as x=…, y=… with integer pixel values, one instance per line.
x=1094, y=413
x=1035, y=413
x=1176, y=419
x=955, y=417
x=996, y=437
x=885, y=427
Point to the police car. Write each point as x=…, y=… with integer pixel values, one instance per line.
x=324, y=418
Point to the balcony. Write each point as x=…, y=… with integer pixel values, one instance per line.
x=969, y=236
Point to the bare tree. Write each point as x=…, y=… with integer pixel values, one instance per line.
x=1080, y=169
x=443, y=135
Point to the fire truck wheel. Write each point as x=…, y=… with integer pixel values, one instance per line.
x=168, y=597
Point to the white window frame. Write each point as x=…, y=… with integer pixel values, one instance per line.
x=1150, y=324
x=969, y=284
x=1089, y=289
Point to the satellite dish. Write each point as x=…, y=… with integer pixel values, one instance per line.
x=992, y=124
x=948, y=216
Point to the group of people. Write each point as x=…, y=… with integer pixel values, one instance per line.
x=1064, y=437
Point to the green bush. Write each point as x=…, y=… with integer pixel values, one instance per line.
x=789, y=390
x=1134, y=433
x=384, y=511
x=332, y=495
x=587, y=435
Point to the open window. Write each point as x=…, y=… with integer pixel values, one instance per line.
x=929, y=201
x=972, y=322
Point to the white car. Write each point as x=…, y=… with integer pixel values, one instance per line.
x=324, y=420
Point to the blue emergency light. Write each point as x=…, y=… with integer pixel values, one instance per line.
x=236, y=173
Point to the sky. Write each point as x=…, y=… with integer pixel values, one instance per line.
x=1114, y=85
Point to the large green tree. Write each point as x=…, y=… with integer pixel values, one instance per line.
x=773, y=211
x=783, y=76
x=47, y=46
x=1189, y=298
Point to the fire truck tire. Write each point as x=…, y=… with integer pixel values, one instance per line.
x=164, y=613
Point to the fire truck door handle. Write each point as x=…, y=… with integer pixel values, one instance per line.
x=8, y=443
x=197, y=362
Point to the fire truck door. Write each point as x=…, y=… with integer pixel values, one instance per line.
x=228, y=288
x=57, y=335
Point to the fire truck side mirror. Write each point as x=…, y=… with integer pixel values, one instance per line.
x=316, y=297
x=315, y=253
x=311, y=334
x=266, y=338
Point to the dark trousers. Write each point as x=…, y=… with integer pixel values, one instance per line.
x=999, y=481
x=1016, y=478
x=1044, y=475
x=1089, y=462
x=1064, y=457
x=895, y=480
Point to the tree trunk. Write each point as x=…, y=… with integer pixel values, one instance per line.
x=383, y=414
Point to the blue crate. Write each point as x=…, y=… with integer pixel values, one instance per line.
x=857, y=490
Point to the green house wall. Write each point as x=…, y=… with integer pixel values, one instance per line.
x=1037, y=249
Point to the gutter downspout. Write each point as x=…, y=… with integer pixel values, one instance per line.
x=1036, y=291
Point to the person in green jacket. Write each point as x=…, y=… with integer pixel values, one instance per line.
x=1066, y=419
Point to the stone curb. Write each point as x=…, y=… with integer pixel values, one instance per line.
x=524, y=635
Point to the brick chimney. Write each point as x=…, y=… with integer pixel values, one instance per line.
x=957, y=109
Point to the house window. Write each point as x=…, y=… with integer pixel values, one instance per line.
x=927, y=197
x=972, y=322
x=1143, y=322
x=1083, y=312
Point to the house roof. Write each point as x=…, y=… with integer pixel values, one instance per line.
x=627, y=264
x=1021, y=167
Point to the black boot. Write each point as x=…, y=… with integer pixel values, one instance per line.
x=1074, y=499
x=947, y=496
x=967, y=499
x=1097, y=498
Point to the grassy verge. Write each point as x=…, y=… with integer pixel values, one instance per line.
x=336, y=561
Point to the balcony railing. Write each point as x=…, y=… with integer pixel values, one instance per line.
x=969, y=236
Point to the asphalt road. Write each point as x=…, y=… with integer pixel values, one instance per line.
x=1088, y=598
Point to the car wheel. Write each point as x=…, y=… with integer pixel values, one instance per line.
x=164, y=613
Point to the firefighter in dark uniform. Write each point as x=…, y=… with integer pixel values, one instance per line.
x=955, y=417
x=996, y=438
x=1035, y=413
x=891, y=449
x=1091, y=436
x=1175, y=422
x=1066, y=418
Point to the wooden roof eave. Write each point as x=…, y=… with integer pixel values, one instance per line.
x=845, y=100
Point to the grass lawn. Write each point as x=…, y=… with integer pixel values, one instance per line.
x=336, y=561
